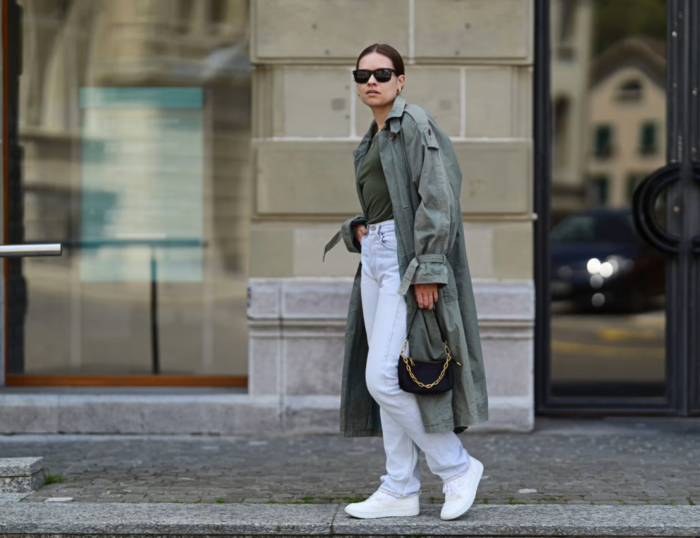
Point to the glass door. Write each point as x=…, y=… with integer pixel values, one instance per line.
x=616, y=331
x=609, y=132
x=129, y=135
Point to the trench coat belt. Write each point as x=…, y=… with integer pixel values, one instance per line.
x=332, y=243
x=411, y=269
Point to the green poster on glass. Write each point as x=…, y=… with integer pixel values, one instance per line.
x=142, y=167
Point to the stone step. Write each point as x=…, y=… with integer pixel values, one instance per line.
x=128, y=410
x=117, y=519
x=21, y=475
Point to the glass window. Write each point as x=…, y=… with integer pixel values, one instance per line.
x=647, y=138
x=601, y=188
x=631, y=90
x=135, y=122
x=603, y=140
x=561, y=127
x=566, y=49
x=603, y=185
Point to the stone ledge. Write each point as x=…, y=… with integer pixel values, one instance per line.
x=533, y=520
x=125, y=520
x=21, y=475
x=116, y=519
x=320, y=414
x=16, y=467
x=205, y=414
x=325, y=299
x=131, y=413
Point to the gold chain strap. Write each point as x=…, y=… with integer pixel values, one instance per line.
x=408, y=367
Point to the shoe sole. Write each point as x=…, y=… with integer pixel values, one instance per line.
x=467, y=502
x=391, y=512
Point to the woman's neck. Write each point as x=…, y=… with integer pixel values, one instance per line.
x=380, y=114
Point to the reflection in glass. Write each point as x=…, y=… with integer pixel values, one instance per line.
x=609, y=113
x=135, y=122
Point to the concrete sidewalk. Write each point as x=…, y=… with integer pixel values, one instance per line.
x=612, y=461
x=127, y=520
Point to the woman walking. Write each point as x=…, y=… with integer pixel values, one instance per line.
x=412, y=287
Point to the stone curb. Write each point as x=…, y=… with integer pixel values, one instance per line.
x=19, y=467
x=123, y=520
x=21, y=475
x=12, y=497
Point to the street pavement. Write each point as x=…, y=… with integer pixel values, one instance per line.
x=609, y=461
x=623, y=349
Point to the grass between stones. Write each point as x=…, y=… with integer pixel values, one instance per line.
x=52, y=478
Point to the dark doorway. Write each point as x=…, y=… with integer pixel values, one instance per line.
x=616, y=265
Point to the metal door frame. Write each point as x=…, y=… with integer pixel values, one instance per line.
x=683, y=293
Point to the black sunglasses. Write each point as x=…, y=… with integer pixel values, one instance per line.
x=381, y=75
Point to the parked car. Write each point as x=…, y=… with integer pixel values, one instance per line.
x=598, y=261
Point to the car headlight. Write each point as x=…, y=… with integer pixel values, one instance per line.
x=612, y=265
x=593, y=266
x=619, y=264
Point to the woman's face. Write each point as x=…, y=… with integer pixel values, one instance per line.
x=377, y=94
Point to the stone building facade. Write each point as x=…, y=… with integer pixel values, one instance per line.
x=281, y=118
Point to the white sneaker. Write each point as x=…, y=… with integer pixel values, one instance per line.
x=460, y=492
x=382, y=504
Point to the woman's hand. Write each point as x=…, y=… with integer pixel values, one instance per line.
x=426, y=295
x=359, y=230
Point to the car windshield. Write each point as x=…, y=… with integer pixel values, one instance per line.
x=595, y=228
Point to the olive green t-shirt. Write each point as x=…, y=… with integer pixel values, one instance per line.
x=374, y=188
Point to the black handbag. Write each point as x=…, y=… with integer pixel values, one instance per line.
x=425, y=376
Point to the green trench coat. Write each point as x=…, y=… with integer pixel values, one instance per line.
x=424, y=181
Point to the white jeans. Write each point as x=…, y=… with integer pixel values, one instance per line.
x=385, y=320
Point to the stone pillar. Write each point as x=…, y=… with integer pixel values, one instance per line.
x=469, y=63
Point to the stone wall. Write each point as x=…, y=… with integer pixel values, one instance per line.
x=297, y=328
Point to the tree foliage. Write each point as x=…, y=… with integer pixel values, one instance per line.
x=617, y=19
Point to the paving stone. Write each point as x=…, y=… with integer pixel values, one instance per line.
x=565, y=460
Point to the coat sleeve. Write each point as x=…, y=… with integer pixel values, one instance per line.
x=345, y=233
x=432, y=231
